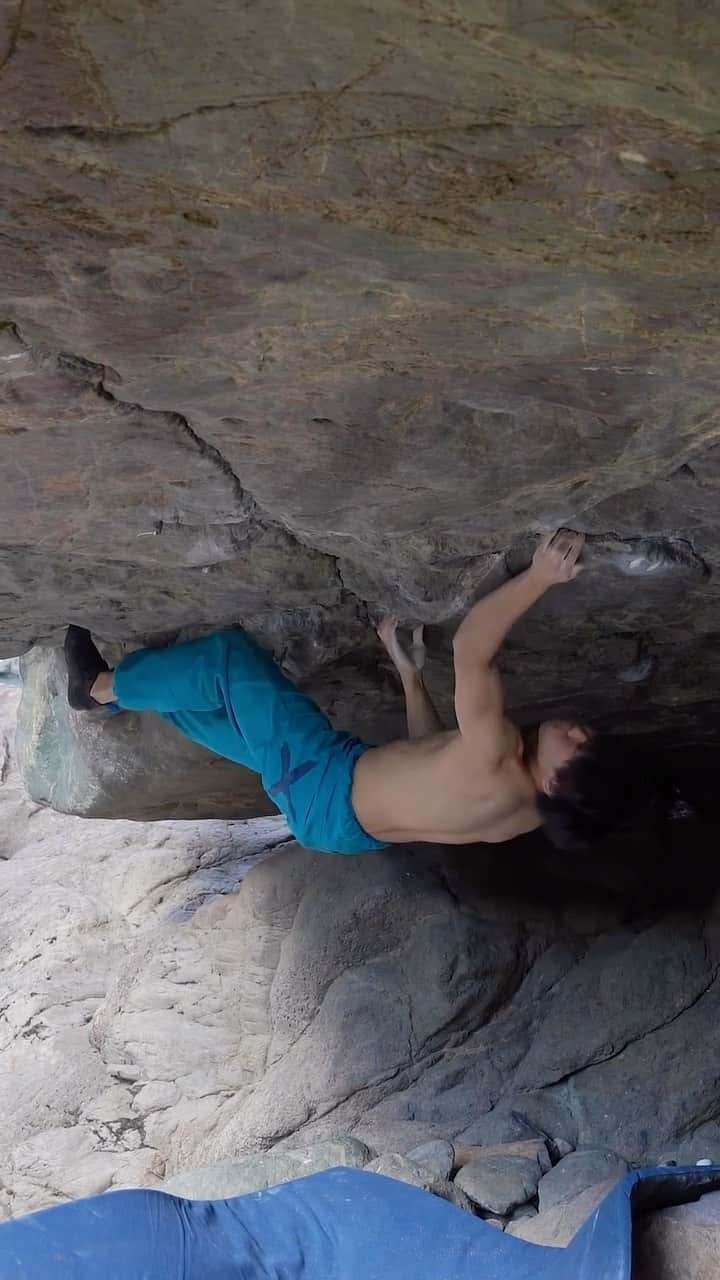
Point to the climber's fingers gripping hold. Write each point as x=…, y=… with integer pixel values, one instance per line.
x=556, y=559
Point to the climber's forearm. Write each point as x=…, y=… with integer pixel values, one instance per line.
x=480, y=635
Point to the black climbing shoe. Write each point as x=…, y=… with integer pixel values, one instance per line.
x=84, y=664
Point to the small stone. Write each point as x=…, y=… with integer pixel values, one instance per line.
x=575, y=1173
x=499, y=1183
x=437, y=1157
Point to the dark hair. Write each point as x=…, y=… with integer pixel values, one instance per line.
x=604, y=784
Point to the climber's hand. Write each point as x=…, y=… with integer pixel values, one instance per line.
x=556, y=559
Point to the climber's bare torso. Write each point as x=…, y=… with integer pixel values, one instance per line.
x=438, y=789
x=473, y=783
x=441, y=785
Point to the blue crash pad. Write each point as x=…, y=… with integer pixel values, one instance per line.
x=340, y=1225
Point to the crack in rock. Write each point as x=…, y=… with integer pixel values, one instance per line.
x=645, y=556
x=643, y=1035
x=14, y=37
x=639, y=555
x=96, y=376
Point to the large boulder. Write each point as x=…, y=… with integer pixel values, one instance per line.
x=120, y=765
x=294, y=350
x=180, y=994
x=75, y=897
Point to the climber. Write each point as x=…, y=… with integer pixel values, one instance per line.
x=482, y=781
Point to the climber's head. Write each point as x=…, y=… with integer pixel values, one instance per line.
x=587, y=783
x=557, y=742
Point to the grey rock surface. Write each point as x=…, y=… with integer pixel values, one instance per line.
x=75, y=899
x=529, y=1117
x=575, y=1173
x=255, y=1173
x=403, y=1169
x=396, y=1136
x=175, y=995
x=291, y=345
x=437, y=1157
x=499, y=1183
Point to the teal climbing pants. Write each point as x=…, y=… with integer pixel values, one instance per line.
x=227, y=693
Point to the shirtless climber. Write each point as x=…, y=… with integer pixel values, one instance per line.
x=482, y=781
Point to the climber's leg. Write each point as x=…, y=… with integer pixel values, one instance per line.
x=216, y=689
x=422, y=718
x=227, y=693
x=222, y=690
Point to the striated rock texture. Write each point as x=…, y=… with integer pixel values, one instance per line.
x=311, y=312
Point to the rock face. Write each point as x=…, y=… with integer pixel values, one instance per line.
x=304, y=318
x=238, y=1177
x=293, y=336
x=75, y=897
x=170, y=1000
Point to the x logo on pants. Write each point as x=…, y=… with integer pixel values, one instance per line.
x=289, y=776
